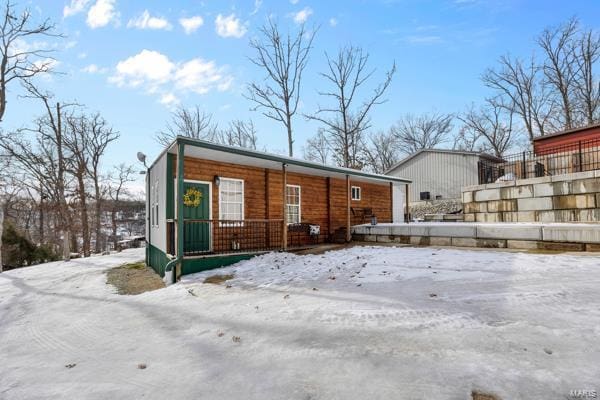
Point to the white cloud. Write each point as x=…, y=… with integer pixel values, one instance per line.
x=102, y=13
x=190, y=25
x=230, y=26
x=169, y=99
x=333, y=22
x=257, y=5
x=147, y=67
x=302, y=16
x=155, y=73
x=75, y=7
x=294, y=1
x=93, y=69
x=146, y=21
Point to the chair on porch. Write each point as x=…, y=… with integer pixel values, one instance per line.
x=363, y=213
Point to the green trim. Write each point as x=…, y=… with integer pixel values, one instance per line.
x=284, y=160
x=170, y=212
x=193, y=265
x=180, y=155
x=156, y=259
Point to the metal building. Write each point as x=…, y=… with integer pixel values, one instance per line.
x=439, y=174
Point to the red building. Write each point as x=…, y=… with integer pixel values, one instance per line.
x=569, y=140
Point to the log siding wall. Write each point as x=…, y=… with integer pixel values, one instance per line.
x=323, y=200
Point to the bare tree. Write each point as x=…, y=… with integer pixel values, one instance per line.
x=519, y=87
x=97, y=134
x=467, y=140
x=587, y=86
x=189, y=122
x=283, y=58
x=345, y=121
x=381, y=152
x=317, y=148
x=426, y=131
x=494, y=124
x=239, y=133
x=77, y=141
x=22, y=56
x=118, y=179
x=559, y=66
x=45, y=159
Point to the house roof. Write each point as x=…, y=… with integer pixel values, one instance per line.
x=463, y=152
x=236, y=155
x=567, y=132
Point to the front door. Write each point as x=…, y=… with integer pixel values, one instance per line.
x=196, y=216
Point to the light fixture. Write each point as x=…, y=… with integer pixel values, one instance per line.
x=217, y=180
x=142, y=158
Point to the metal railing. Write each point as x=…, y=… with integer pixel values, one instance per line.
x=205, y=237
x=229, y=236
x=564, y=159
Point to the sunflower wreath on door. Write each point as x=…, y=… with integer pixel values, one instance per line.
x=192, y=197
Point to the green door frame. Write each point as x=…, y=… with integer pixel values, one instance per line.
x=210, y=207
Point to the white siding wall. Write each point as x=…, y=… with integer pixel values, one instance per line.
x=398, y=207
x=439, y=173
x=158, y=175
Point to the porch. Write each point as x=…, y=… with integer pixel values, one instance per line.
x=205, y=238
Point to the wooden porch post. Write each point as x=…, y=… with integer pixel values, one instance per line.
x=348, y=233
x=283, y=203
x=180, y=174
x=406, y=203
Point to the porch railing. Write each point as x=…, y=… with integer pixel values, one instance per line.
x=205, y=237
x=575, y=157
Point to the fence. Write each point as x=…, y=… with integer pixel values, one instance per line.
x=576, y=157
x=203, y=237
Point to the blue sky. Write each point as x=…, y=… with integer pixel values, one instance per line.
x=134, y=61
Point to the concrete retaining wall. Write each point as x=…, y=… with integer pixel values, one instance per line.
x=562, y=198
x=565, y=237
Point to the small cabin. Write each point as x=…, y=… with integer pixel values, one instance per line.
x=210, y=205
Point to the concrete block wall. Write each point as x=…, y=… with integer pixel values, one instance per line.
x=562, y=198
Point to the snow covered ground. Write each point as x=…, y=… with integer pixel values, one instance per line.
x=360, y=323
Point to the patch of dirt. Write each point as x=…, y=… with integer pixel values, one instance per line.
x=476, y=395
x=218, y=279
x=134, y=278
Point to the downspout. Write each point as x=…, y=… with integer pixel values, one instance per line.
x=179, y=259
x=148, y=211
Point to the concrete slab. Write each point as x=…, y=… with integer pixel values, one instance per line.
x=533, y=181
x=401, y=229
x=574, y=176
x=452, y=230
x=509, y=231
x=517, y=192
x=552, y=189
x=586, y=186
x=579, y=233
x=440, y=241
x=488, y=217
x=534, y=204
x=464, y=242
x=487, y=194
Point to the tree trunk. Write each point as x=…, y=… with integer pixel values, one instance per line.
x=1, y=230
x=113, y=220
x=66, y=220
x=289, y=133
x=98, y=220
x=66, y=249
x=85, y=228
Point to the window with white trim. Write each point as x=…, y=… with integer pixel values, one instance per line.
x=356, y=192
x=293, y=211
x=231, y=199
